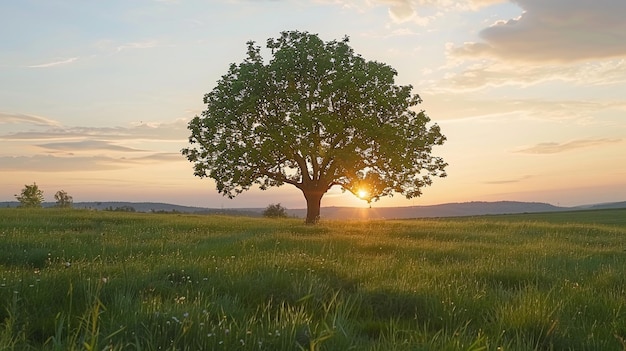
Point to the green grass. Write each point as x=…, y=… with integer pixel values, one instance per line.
x=85, y=280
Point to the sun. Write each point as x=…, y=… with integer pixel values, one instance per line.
x=362, y=193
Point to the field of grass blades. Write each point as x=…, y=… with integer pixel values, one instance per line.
x=97, y=280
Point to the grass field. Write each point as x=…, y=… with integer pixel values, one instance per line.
x=86, y=280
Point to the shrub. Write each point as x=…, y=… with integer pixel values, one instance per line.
x=275, y=211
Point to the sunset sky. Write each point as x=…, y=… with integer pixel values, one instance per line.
x=95, y=96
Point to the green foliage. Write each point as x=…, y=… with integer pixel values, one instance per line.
x=63, y=200
x=30, y=197
x=314, y=115
x=124, y=208
x=275, y=211
x=99, y=280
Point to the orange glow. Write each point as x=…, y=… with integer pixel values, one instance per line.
x=362, y=194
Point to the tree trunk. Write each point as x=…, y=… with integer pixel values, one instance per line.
x=313, y=203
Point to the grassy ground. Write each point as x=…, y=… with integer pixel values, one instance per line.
x=84, y=280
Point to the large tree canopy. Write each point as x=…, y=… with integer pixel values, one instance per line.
x=314, y=116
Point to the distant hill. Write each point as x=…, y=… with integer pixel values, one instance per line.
x=606, y=206
x=444, y=210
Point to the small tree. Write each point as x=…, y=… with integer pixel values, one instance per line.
x=63, y=199
x=275, y=211
x=30, y=197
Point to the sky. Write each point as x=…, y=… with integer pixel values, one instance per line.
x=95, y=96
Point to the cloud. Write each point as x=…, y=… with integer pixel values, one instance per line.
x=553, y=148
x=50, y=163
x=78, y=149
x=61, y=149
x=476, y=4
x=508, y=181
x=423, y=12
x=137, y=45
x=163, y=131
x=401, y=11
x=410, y=5
x=17, y=118
x=399, y=32
x=55, y=63
x=451, y=107
x=160, y=157
x=555, y=31
x=111, y=47
x=496, y=74
x=87, y=145
x=47, y=163
x=112, y=133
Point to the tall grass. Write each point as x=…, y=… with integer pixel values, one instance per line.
x=84, y=280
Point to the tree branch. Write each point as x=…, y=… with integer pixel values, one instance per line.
x=278, y=177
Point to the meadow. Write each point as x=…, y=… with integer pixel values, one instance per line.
x=97, y=280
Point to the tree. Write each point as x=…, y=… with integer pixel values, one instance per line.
x=275, y=211
x=63, y=199
x=314, y=116
x=30, y=197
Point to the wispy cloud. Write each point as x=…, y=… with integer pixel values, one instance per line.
x=138, y=45
x=87, y=145
x=17, y=118
x=52, y=163
x=164, y=131
x=49, y=163
x=55, y=63
x=496, y=74
x=508, y=181
x=553, y=148
x=159, y=158
x=451, y=107
x=399, y=32
x=109, y=47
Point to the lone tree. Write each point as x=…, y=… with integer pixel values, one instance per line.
x=315, y=115
x=63, y=199
x=30, y=197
